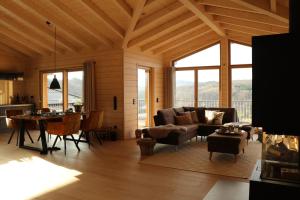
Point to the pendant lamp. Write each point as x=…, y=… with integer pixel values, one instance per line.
x=54, y=84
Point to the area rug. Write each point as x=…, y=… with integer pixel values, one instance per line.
x=193, y=156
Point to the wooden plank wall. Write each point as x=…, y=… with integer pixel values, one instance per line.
x=131, y=61
x=109, y=81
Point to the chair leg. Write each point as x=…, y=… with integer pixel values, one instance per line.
x=65, y=144
x=87, y=134
x=75, y=142
x=29, y=136
x=54, y=143
x=11, y=136
x=80, y=135
x=40, y=138
x=99, y=139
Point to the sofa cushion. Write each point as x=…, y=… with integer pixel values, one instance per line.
x=230, y=114
x=183, y=119
x=210, y=116
x=192, y=129
x=194, y=117
x=167, y=116
x=201, y=114
x=218, y=120
x=178, y=110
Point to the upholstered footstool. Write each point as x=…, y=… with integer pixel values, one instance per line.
x=232, y=144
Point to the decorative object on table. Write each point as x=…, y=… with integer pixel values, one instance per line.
x=54, y=84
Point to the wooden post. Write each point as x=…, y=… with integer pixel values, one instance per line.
x=224, y=73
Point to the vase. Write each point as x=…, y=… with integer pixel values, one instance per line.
x=78, y=108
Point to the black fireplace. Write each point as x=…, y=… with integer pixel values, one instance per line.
x=276, y=62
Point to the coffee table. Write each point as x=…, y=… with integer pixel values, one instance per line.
x=246, y=126
x=229, y=143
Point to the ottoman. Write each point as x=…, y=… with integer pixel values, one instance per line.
x=146, y=146
x=232, y=144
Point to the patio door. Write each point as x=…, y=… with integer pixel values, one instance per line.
x=143, y=95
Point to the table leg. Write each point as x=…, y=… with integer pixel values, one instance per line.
x=43, y=137
x=210, y=155
x=22, y=133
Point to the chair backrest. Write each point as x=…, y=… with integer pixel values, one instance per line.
x=71, y=123
x=45, y=110
x=10, y=113
x=12, y=123
x=100, y=120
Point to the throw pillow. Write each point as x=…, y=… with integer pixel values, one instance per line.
x=218, y=118
x=194, y=117
x=183, y=119
x=210, y=116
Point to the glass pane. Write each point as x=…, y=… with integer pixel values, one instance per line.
x=240, y=54
x=242, y=92
x=208, y=88
x=55, y=97
x=143, y=98
x=184, y=88
x=206, y=57
x=75, y=88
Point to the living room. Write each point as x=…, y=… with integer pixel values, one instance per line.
x=123, y=61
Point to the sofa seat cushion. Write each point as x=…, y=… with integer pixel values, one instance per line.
x=192, y=129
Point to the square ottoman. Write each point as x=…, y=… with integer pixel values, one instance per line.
x=232, y=144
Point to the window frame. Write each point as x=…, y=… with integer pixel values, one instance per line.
x=196, y=69
x=64, y=86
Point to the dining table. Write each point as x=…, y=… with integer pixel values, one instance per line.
x=42, y=119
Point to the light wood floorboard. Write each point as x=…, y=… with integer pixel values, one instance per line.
x=108, y=171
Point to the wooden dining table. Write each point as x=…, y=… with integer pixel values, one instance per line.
x=42, y=119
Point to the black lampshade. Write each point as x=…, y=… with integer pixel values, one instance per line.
x=54, y=84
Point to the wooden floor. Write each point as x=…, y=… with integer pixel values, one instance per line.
x=108, y=171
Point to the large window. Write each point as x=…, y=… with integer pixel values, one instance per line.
x=71, y=83
x=197, y=78
x=241, y=80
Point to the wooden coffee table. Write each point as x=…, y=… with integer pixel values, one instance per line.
x=226, y=143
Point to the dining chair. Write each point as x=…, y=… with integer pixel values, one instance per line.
x=90, y=125
x=67, y=127
x=15, y=124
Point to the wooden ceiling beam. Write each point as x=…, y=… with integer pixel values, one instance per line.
x=199, y=11
x=19, y=14
x=183, y=39
x=254, y=17
x=10, y=25
x=149, y=2
x=153, y=17
x=81, y=22
x=239, y=37
x=256, y=25
x=34, y=7
x=102, y=16
x=124, y=7
x=172, y=35
x=191, y=46
x=22, y=40
x=136, y=15
x=160, y=29
x=18, y=46
x=273, y=5
x=246, y=30
x=263, y=6
x=224, y=4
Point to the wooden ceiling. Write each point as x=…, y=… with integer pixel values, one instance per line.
x=154, y=26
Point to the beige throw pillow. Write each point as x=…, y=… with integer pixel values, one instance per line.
x=218, y=118
x=210, y=116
